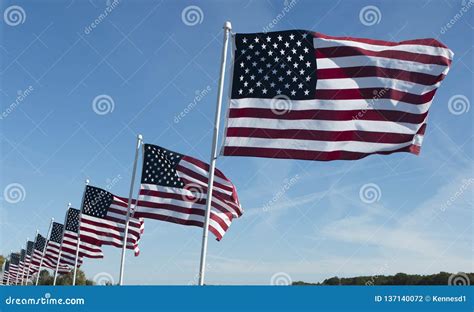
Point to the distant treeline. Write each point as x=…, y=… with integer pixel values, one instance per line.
x=442, y=278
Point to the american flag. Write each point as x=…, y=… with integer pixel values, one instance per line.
x=69, y=246
x=174, y=189
x=103, y=220
x=303, y=95
x=14, y=267
x=22, y=268
x=38, y=251
x=29, y=252
x=6, y=273
x=52, y=250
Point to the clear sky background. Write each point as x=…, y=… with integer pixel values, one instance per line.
x=303, y=220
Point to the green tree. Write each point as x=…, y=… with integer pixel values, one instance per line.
x=2, y=261
x=64, y=279
x=441, y=278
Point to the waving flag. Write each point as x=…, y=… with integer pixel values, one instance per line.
x=69, y=246
x=103, y=220
x=52, y=250
x=29, y=252
x=21, y=267
x=38, y=250
x=174, y=189
x=303, y=95
x=6, y=273
x=14, y=267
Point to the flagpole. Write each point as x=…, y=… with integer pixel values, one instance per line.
x=31, y=258
x=44, y=250
x=9, y=271
x=130, y=194
x=18, y=271
x=60, y=247
x=23, y=268
x=212, y=164
x=79, y=235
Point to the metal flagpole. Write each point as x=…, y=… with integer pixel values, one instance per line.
x=23, y=268
x=18, y=271
x=129, y=206
x=60, y=247
x=9, y=271
x=212, y=165
x=79, y=235
x=44, y=250
x=31, y=259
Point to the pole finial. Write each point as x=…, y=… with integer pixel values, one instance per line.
x=228, y=25
x=69, y=205
x=140, y=137
x=87, y=181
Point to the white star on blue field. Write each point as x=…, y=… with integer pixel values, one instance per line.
x=80, y=80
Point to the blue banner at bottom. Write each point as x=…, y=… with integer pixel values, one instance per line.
x=236, y=298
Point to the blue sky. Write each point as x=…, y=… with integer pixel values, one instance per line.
x=303, y=220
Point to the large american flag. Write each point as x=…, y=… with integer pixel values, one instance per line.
x=53, y=247
x=69, y=246
x=103, y=220
x=303, y=95
x=174, y=189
